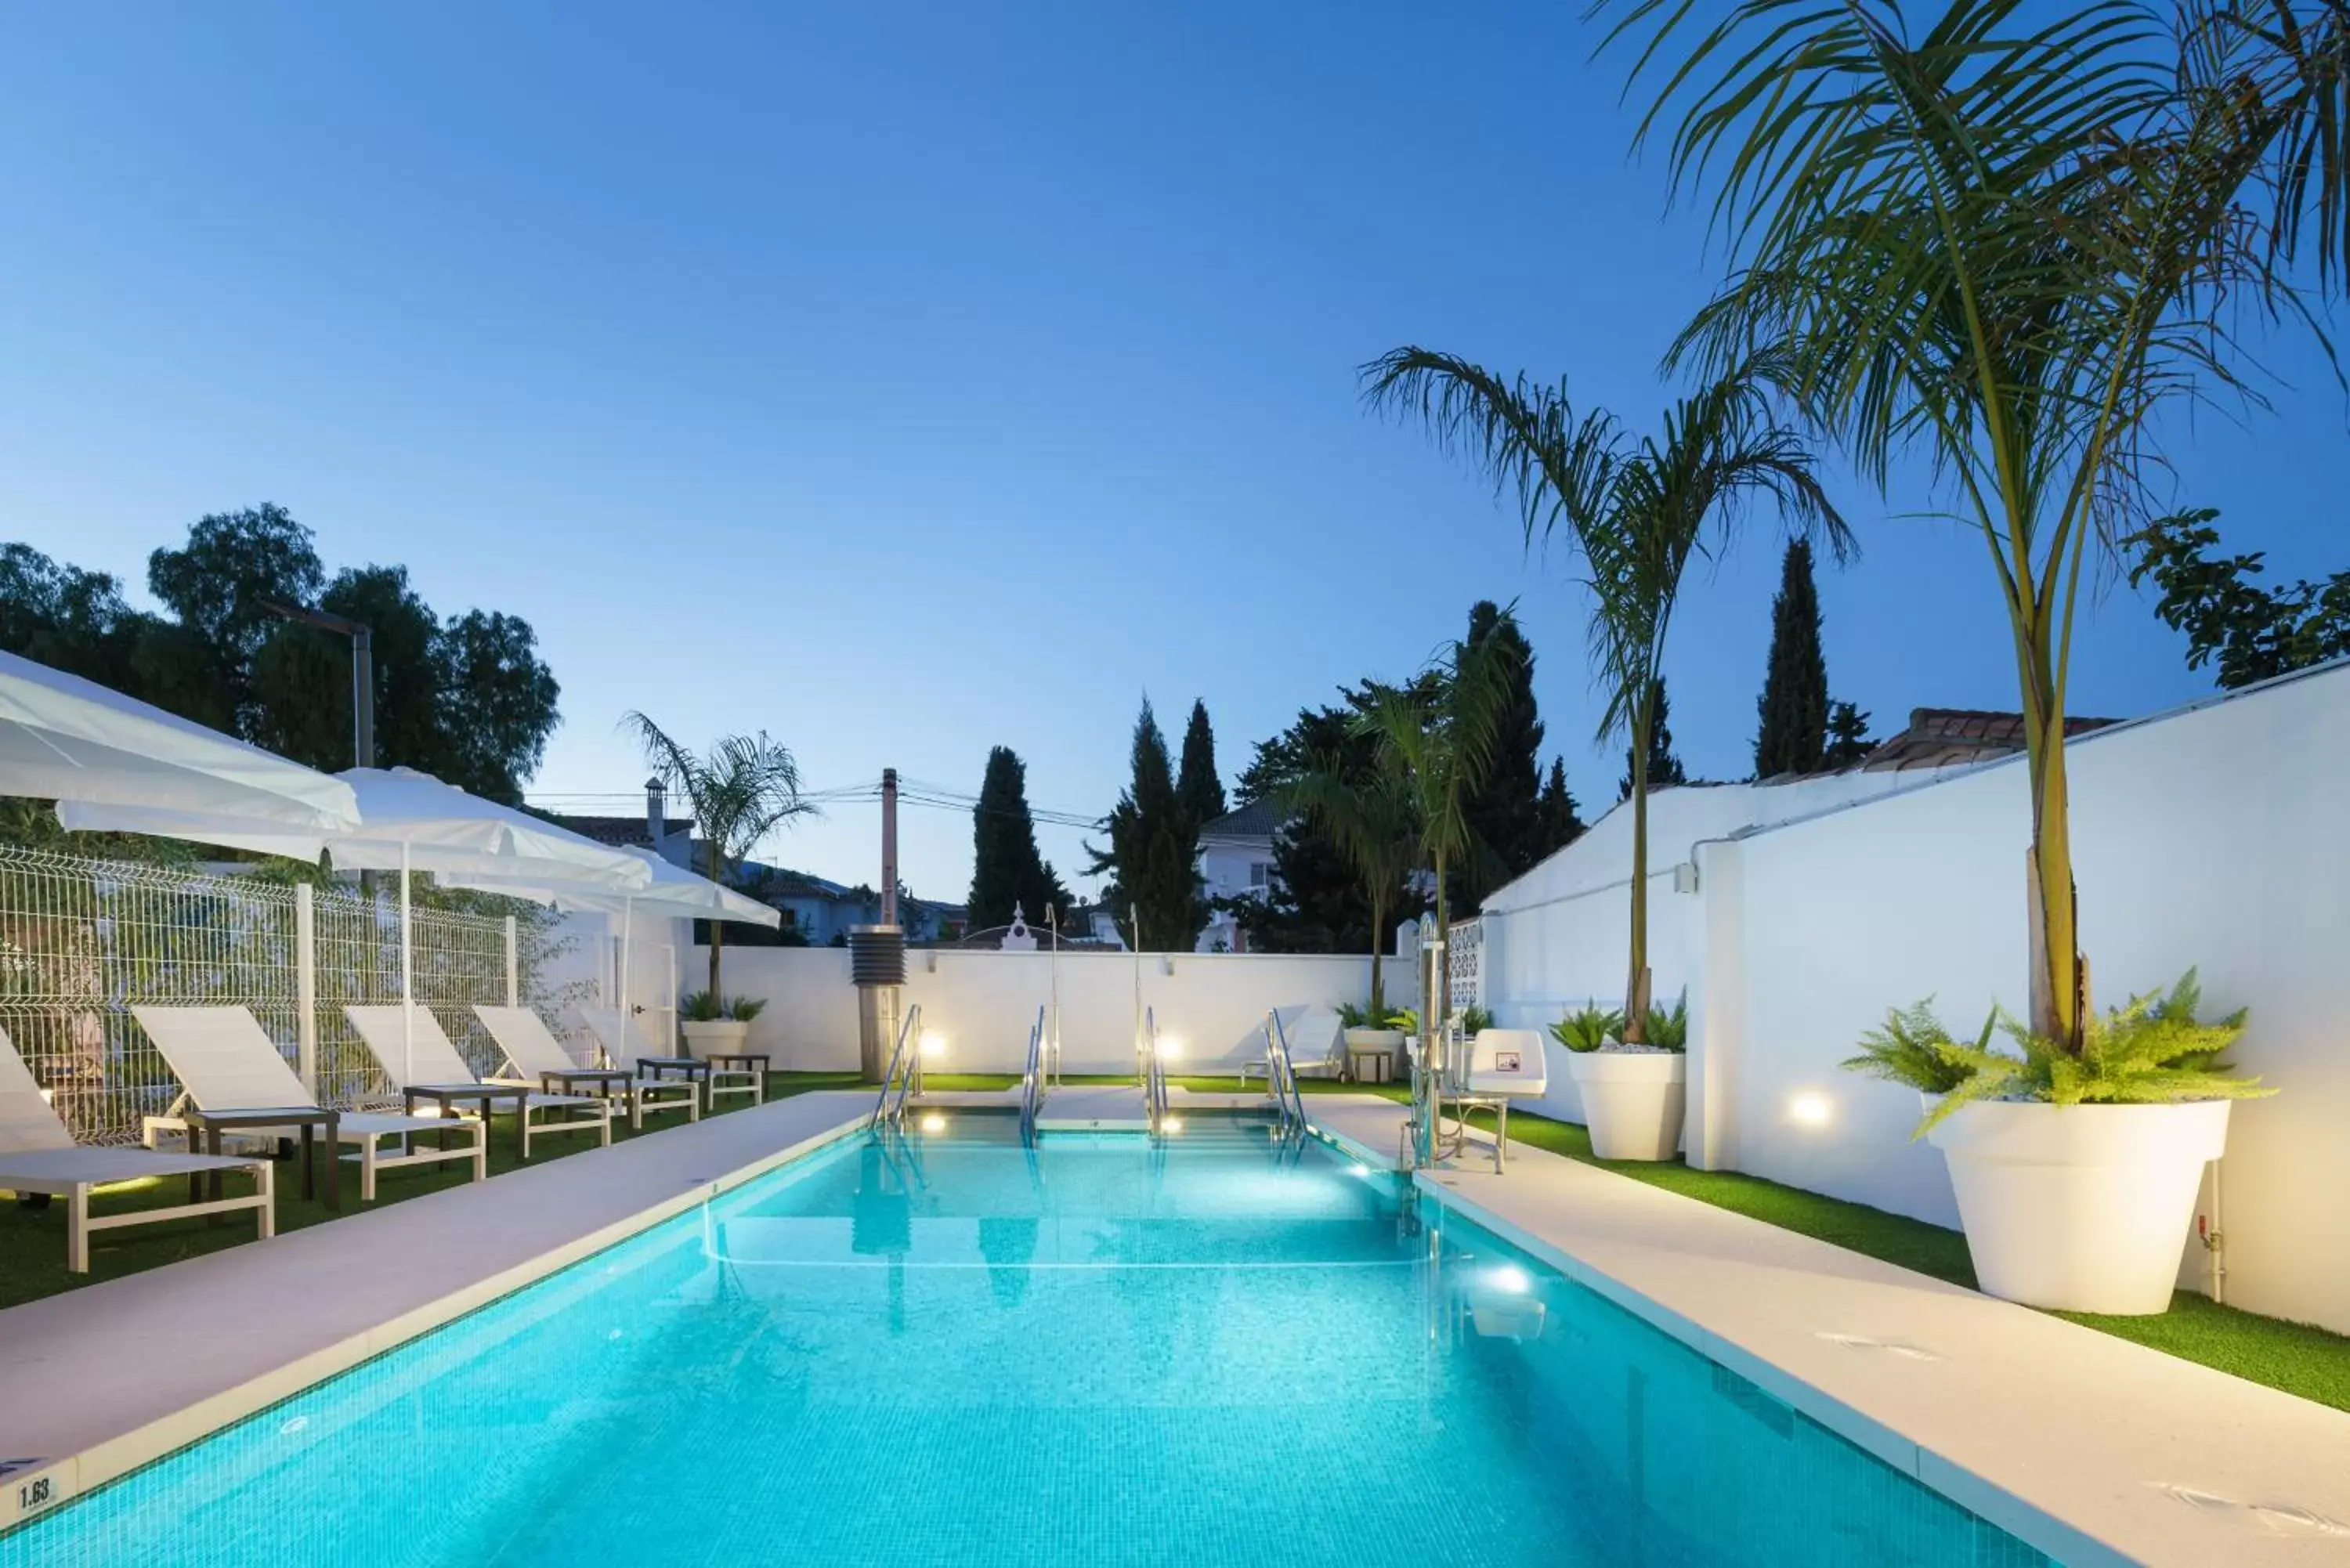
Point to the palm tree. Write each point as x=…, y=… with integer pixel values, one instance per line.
x=1372, y=813
x=744, y=789
x=1436, y=741
x=1635, y=510
x=2008, y=245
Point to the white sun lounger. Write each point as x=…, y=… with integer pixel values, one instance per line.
x=434, y=1070
x=226, y=1063
x=535, y=1054
x=1317, y=1047
x=38, y=1155
x=625, y=1045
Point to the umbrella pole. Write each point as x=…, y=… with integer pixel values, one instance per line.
x=407, y=981
x=627, y=933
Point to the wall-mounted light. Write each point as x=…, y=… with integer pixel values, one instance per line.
x=1171, y=1124
x=1685, y=877
x=1810, y=1109
x=932, y=1122
x=1166, y=965
x=1170, y=1049
x=934, y=1045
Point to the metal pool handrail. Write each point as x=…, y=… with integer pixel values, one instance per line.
x=1281, y=1074
x=900, y=1073
x=1032, y=1081
x=1154, y=1073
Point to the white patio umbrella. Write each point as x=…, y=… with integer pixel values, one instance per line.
x=408, y=821
x=673, y=894
x=65, y=738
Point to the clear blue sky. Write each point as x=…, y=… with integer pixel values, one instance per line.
x=909, y=379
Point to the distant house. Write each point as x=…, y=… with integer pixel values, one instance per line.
x=1236, y=862
x=1951, y=737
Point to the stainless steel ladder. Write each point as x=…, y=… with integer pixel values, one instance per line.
x=1032, y=1082
x=1154, y=1074
x=903, y=1069
x=1281, y=1078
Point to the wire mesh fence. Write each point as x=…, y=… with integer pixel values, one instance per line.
x=84, y=941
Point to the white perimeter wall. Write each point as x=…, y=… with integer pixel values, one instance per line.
x=984, y=1002
x=2214, y=837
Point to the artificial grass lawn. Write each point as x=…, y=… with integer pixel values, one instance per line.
x=2297, y=1358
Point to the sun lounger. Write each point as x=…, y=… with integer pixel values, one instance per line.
x=532, y=1052
x=39, y=1157
x=231, y=1077
x=1317, y=1047
x=425, y=1065
x=625, y=1045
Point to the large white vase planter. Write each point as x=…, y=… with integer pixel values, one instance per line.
x=2080, y=1208
x=718, y=1036
x=1632, y=1101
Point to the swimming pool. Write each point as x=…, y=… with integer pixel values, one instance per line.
x=952, y=1349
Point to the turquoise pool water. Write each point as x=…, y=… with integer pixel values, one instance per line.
x=1099, y=1352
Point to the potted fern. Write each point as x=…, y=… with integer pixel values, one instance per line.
x=1633, y=1091
x=716, y=1025
x=2075, y=1172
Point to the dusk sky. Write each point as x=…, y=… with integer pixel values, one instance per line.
x=906, y=381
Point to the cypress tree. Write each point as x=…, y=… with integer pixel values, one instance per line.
x=1848, y=738
x=1561, y=823
x=1664, y=768
x=1793, y=707
x=1196, y=781
x=1154, y=850
x=1505, y=809
x=1005, y=868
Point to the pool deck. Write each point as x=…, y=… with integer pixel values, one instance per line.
x=214, y=1338
x=2091, y=1449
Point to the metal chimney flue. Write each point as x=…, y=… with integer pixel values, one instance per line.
x=876, y=967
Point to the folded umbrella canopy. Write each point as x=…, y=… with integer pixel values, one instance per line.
x=408, y=821
x=67, y=739
x=673, y=894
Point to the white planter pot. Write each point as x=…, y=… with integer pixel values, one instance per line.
x=1632, y=1101
x=721, y=1036
x=1388, y=1040
x=2080, y=1208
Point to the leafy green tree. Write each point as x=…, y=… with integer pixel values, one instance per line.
x=1315, y=902
x=1505, y=809
x=219, y=585
x=2009, y=241
x=467, y=701
x=2255, y=633
x=1664, y=768
x=1792, y=738
x=744, y=788
x=498, y=703
x=1848, y=738
x=1196, y=781
x=69, y=618
x=1154, y=851
x=1006, y=869
x=1636, y=510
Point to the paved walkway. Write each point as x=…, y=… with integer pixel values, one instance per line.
x=102, y=1379
x=2094, y=1450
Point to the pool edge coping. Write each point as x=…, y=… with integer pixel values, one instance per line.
x=2068, y=1543
x=74, y=1476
